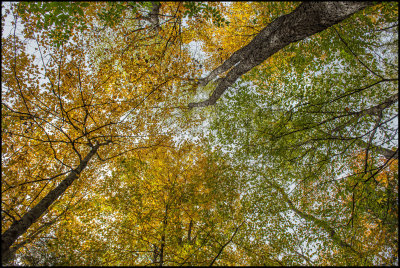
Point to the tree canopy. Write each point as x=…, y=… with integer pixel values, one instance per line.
x=199, y=133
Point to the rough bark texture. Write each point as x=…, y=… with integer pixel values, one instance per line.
x=153, y=16
x=18, y=228
x=307, y=19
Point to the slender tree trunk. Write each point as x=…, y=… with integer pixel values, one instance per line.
x=153, y=16
x=162, y=246
x=222, y=248
x=320, y=223
x=306, y=20
x=190, y=231
x=18, y=228
x=155, y=253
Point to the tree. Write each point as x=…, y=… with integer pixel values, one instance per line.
x=293, y=134
x=65, y=107
x=307, y=19
x=152, y=210
x=113, y=89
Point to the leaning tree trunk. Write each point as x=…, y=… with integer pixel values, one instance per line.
x=18, y=228
x=307, y=19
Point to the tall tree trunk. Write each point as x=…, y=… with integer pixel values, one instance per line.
x=307, y=19
x=18, y=228
x=190, y=231
x=162, y=246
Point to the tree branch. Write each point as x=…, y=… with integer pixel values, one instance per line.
x=222, y=248
x=306, y=20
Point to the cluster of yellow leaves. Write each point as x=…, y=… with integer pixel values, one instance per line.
x=246, y=19
x=60, y=99
x=172, y=193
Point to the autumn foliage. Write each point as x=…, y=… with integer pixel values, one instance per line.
x=104, y=161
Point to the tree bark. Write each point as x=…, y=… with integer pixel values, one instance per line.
x=190, y=231
x=307, y=19
x=153, y=16
x=378, y=110
x=162, y=246
x=18, y=228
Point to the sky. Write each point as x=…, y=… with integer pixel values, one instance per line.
x=197, y=53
